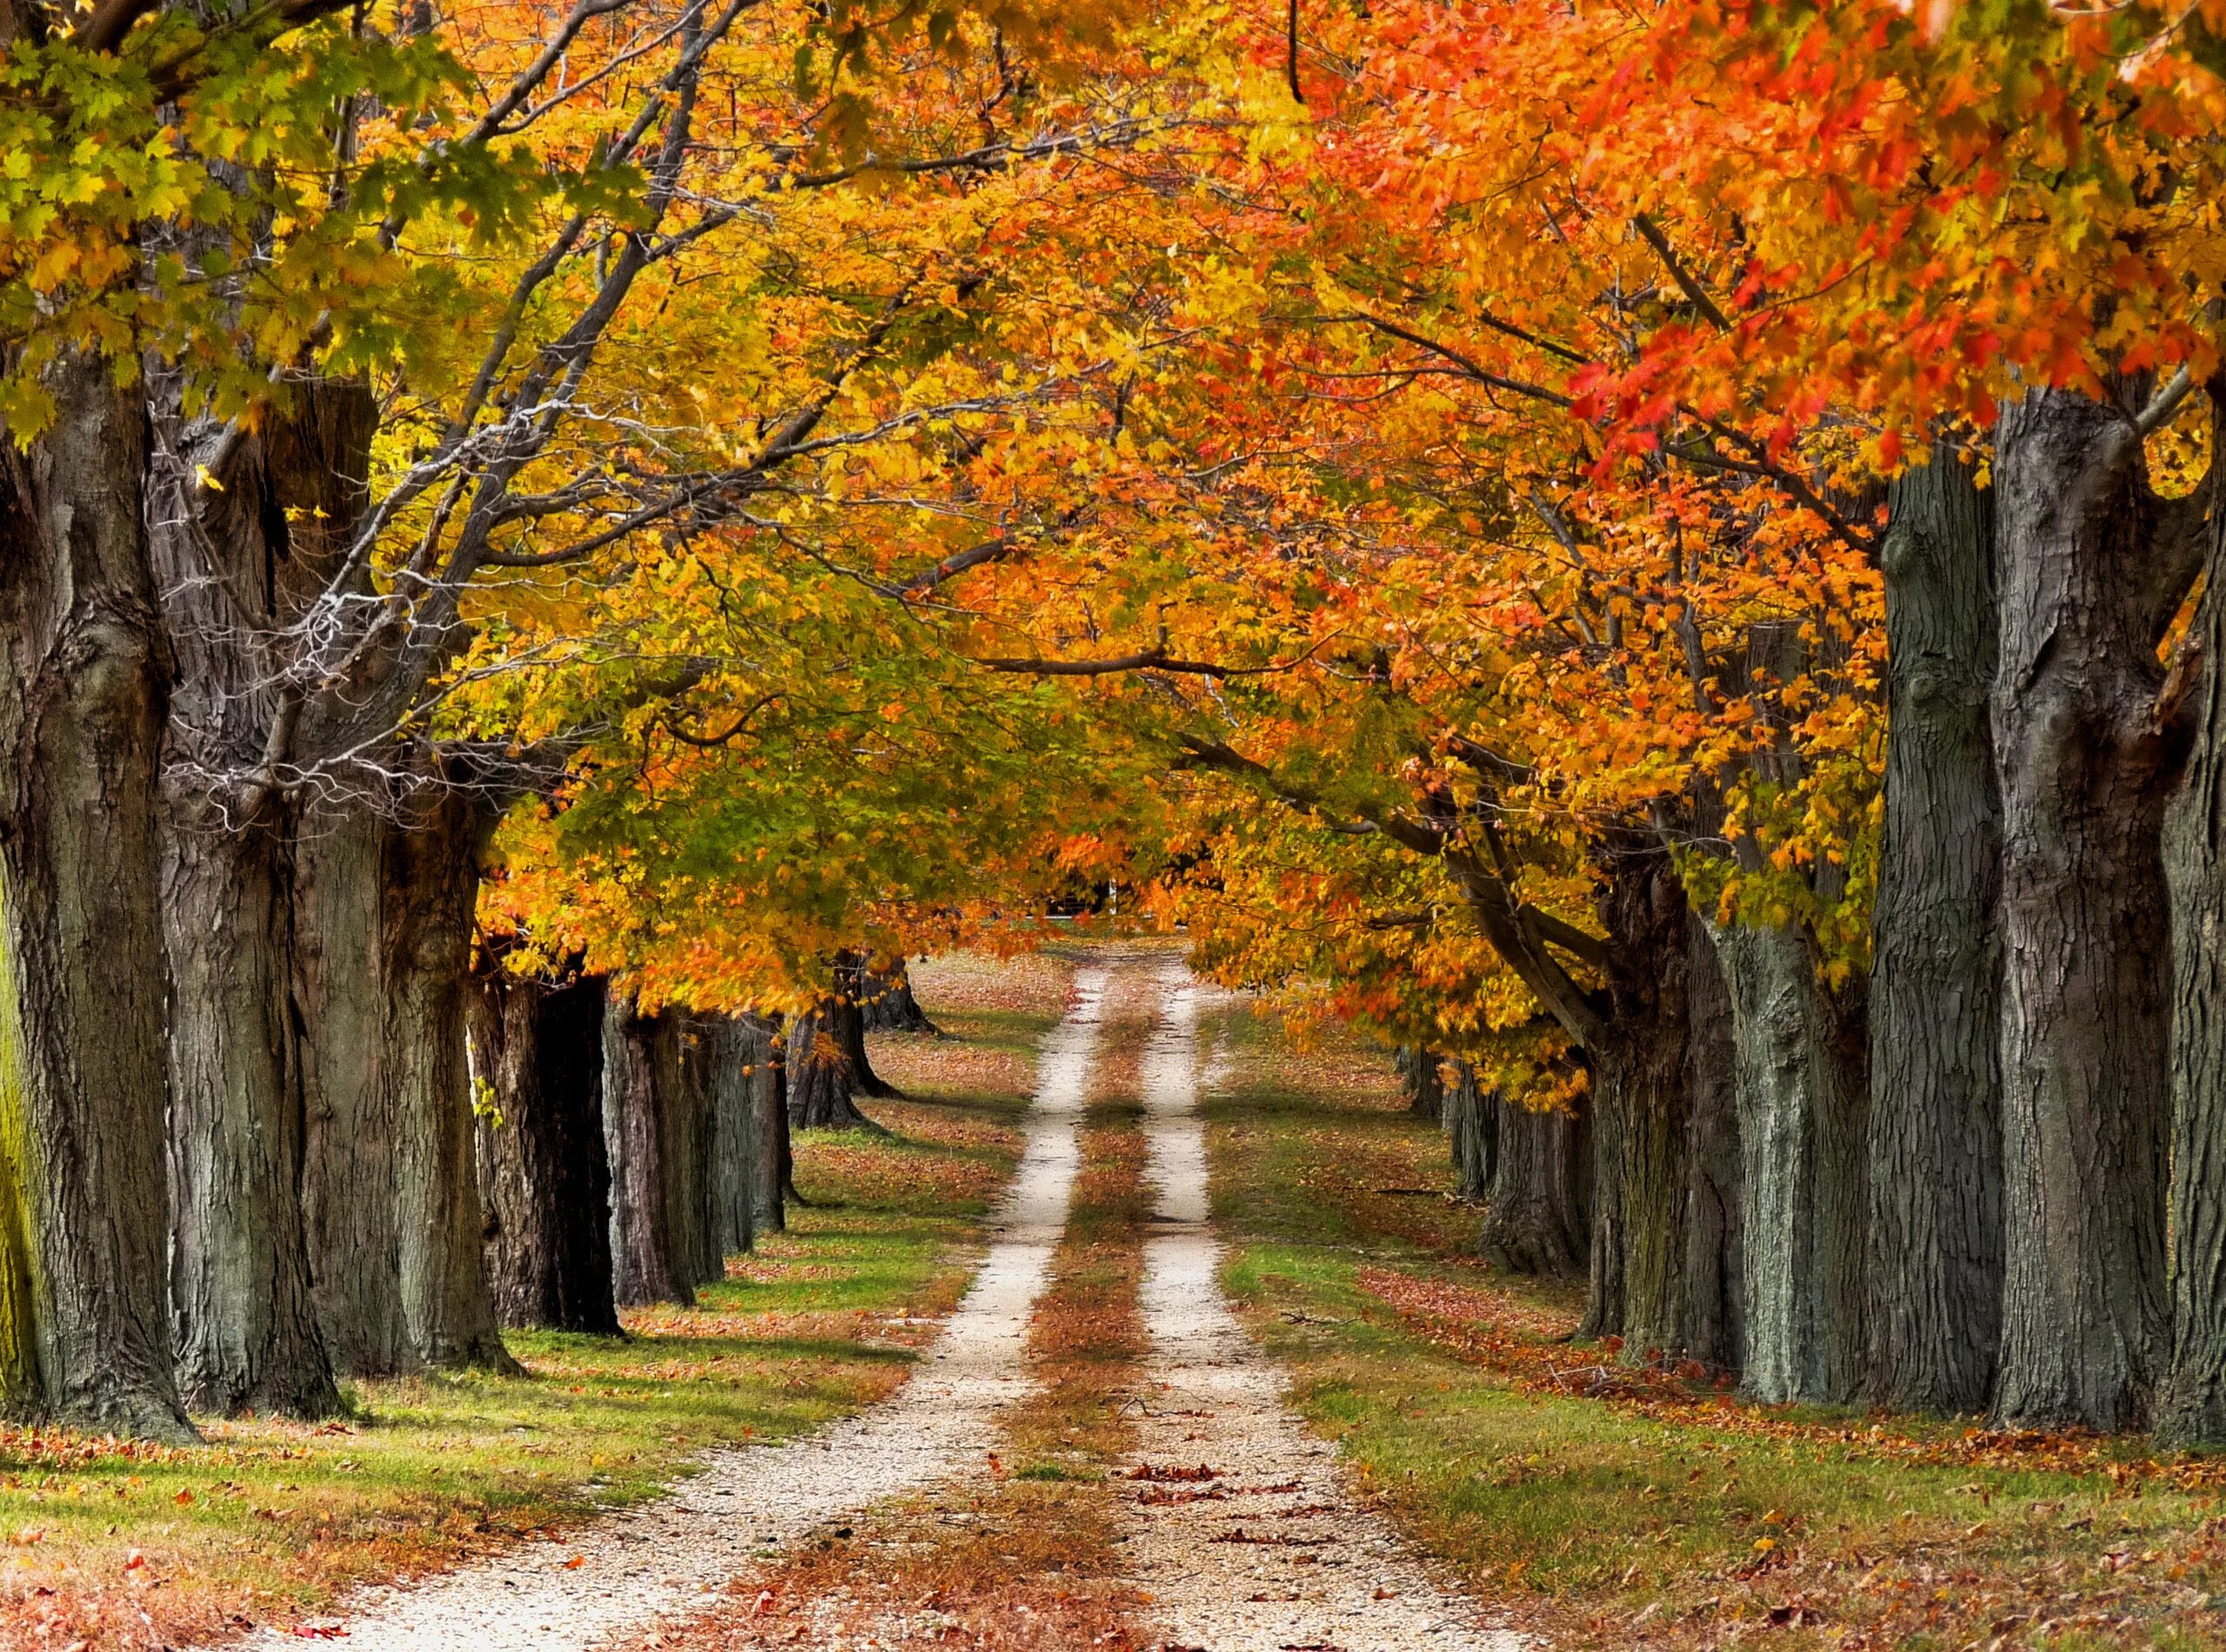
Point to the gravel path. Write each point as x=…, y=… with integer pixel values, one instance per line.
x=1246, y=1535
x=674, y=1555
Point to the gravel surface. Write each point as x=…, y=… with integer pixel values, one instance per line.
x=674, y=1555
x=1247, y=1537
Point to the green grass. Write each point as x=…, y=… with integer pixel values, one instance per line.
x=1604, y=1520
x=270, y=1519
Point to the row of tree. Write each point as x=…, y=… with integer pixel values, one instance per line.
x=421, y=423
x=1701, y=599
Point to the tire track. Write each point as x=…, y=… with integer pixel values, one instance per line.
x=1247, y=1538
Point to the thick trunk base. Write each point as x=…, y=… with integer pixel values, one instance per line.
x=544, y=1177
x=2085, y=1120
x=394, y=1221
x=84, y=1319
x=248, y=1338
x=655, y=1236
x=1470, y=1119
x=1535, y=1223
x=1802, y=1135
x=1935, y=1113
x=1716, y=1290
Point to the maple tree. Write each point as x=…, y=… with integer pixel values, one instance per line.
x=1580, y=351
x=1662, y=556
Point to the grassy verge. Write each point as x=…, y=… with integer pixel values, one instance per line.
x=108, y=1546
x=1608, y=1508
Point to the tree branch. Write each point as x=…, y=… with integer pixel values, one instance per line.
x=1687, y=284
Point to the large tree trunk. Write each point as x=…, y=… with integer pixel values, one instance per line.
x=846, y=1020
x=775, y=1165
x=395, y=1220
x=1640, y=1113
x=1801, y=1135
x=1536, y=1222
x=1716, y=1183
x=84, y=1321
x=1936, y=1112
x=685, y=1104
x=1605, y=1295
x=237, y=563
x=433, y=860
x=1650, y=1089
x=544, y=1176
x=823, y=1080
x=1471, y=1118
x=1420, y=1078
x=647, y=1263
x=2191, y=1403
x=2083, y=771
x=889, y=1006
x=247, y=1328
x=737, y=1049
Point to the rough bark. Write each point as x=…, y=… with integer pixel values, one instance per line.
x=846, y=1021
x=1801, y=1135
x=684, y=1107
x=1603, y=1249
x=386, y=898
x=2084, y=770
x=1535, y=1221
x=737, y=1049
x=248, y=1337
x=236, y=563
x=773, y=1167
x=821, y=1079
x=2191, y=1403
x=85, y=1321
x=889, y=1006
x=545, y=1179
x=1470, y=1117
x=1716, y=1194
x=1420, y=1076
x=646, y=1263
x=1935, y=1113
x=1640, y=1112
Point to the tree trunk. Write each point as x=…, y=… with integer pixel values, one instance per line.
x=2084, y=770
x=1936, y=1112
x=645, y=1264
x=2191, y=1402
x=684, y=1105
x=1471, y=1118
x=84, y=1323
x=738, y=1050
x=774, y=1165
x=433, y=859
x=1715, y=1329
x=847, y=1021
x=821, y=1079
x=1424, y=1082
x=395, y=1227
x=889, y=1006
x=1655, y=1126
x=237, y=563
x=1536, y=1222
x=1605, y=1295
x=545, y=1179
x=1641, y=1113
x=247, y=1325
x=1801, y=1133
